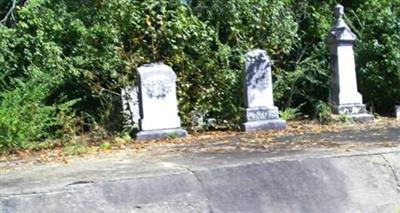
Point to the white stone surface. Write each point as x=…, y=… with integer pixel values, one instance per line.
x=157, y=95
x=258, y=80
x=348, y=93
x=398, y=112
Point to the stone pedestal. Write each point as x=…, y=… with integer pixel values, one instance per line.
x=344, y=97
x=260, y=113
x=158, y=103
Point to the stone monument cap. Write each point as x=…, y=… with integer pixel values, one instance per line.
x=158, y=66
x=257, y=55
x=340, y=32
x=339, y=11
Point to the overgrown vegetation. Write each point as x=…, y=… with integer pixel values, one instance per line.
x=61, y=62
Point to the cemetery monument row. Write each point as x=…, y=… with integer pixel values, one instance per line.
x=158, y=103
x=344, y=97
x=260, y=112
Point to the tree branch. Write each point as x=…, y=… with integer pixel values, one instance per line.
x=9, y=13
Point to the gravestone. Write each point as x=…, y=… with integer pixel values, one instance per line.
x=130, y=106
x=344, y=97
x=398, y=112
x=158, y=103
x=260, y=113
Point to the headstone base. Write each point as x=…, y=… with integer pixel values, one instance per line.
x=162, y=133
x=263, y=118
x=356, y=112
x=253, y=126
x=262, y=113
x=350, y=109
x=362, y=118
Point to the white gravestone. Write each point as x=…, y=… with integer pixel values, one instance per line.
x=158, y=103
x=398, y=112
x=344, y=97
x=260, y=114
x=130, y=106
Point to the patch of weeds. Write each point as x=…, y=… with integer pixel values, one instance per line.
x=378, y=117
x=47, y=144
x=105, y=146
x=122, y=140
x=345, y=118
x=77, y=146
x=173, y=135
x=290, y=113
x=323, y=113
x=76, y=149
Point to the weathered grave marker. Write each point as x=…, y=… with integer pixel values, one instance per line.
x=158, y=103
x=261, y=114
x=398, y=112
x=344, y=97
x=130, y=106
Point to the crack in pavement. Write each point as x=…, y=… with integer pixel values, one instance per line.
x=199, y=180
x=396, y=178
x=202, y=188
x=80, y=182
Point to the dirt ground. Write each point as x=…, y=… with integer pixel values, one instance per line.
x=298, y=136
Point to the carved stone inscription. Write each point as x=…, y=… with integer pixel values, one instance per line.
x=264, y=114
x=158, y=88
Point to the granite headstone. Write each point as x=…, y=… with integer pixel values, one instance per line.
x=344, y=97
x=158, y=103
x=260, y=112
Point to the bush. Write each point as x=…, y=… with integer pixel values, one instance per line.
x=23, y=115
x=378, y=52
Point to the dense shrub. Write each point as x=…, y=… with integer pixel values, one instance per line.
x=23, y=115
x=378, y=52
x=67, y=56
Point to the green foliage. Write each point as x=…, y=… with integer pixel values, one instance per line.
x=76, y=148
x=345, y=118
x=323, y=113
x=304, y=77
x=244, y=24
x=106, y=146
x=290, y=113
x=67, y=56
x=23, y=116
x=378, y=51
